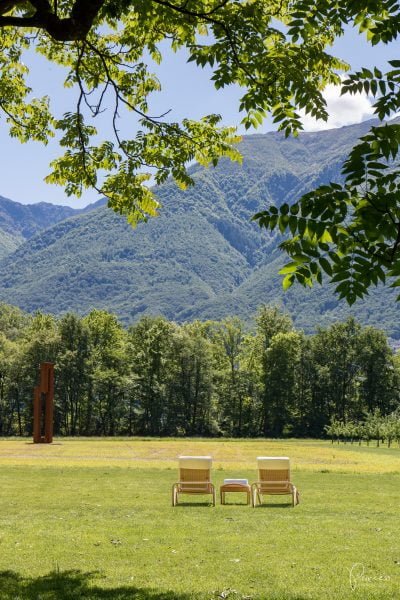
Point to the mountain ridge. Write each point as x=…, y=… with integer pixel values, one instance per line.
x=202, y=257
x=20, y=222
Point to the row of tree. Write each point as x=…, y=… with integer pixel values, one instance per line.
x=374, y=426
x=201, y=378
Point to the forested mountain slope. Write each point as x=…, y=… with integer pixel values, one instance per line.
x=19, y=222
x=202, y=257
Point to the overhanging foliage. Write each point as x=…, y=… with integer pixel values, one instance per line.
x=275, y=50
x=105, y=46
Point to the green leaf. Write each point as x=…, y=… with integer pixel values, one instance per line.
x=289, y=268
x=326, y=265
x=287, y=282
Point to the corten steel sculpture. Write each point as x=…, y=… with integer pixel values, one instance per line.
x=43, y=405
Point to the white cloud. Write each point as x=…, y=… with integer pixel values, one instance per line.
x=342, y=110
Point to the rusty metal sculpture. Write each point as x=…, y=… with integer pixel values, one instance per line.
x=43, y=405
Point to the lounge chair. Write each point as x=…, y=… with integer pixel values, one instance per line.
x=273, y=479
x=194, y=477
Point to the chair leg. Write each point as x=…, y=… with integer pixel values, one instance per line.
x=253, y=495
x=173, y=495
x=213, y=495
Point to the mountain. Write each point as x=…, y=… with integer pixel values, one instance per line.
x=20, y=222
x=202, y=257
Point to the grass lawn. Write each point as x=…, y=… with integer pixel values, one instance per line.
x=92, y=519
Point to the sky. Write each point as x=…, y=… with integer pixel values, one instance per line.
x=187, y=92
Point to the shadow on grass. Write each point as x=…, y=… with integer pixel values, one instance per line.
x=276, y=505
x=233, y=503
x=76, y=585
x=73, y=585
x=188, y=504
x=35, y=444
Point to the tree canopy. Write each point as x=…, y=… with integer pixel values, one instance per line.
x=276, y=50
x=107, y=48
x=349, y=231
x=208, y=378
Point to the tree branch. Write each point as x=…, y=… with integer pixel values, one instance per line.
x=7, y=5
x=185, y=11
x=75, y=27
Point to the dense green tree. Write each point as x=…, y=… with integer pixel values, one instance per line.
x=270, y=322
x=211, y=378
x=38, y=344
x=190, y=384
x=72, y=370
x=148, y=348
x=9, y=386
x=106, y=368
x=307, y=416
x=379, y=380
x=355, y=372
x=280, y=395
x=13, y=323
x=339, y=368
x=231, y=381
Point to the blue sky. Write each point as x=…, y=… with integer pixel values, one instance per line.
x=187, y=92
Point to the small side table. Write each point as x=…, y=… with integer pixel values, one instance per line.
x=236, y=487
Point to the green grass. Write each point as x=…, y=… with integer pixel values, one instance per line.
x=85, y=519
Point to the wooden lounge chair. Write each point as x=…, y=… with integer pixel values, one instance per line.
x=194, y=477
x=273, y=479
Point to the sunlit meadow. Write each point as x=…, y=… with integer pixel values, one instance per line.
x=91, y=518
